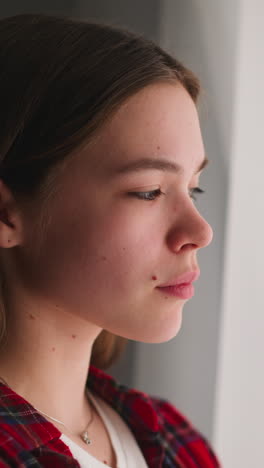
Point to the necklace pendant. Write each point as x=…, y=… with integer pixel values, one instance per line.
x=86, y=438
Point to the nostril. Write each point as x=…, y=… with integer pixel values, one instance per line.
x=189, y=247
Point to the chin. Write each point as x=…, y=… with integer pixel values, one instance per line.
x=164, y=337
x=161, y=334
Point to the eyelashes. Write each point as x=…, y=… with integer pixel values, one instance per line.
x=154, y=194
x=195, y=191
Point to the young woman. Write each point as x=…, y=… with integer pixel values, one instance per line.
x=101, y=153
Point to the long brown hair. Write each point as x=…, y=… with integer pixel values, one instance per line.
x=60, y=79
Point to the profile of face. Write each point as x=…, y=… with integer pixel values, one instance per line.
x=118, y=233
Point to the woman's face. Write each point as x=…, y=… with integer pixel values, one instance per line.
x=113, y=239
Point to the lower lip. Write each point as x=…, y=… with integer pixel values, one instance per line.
x=183, y=291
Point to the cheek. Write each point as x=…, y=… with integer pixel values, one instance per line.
x=117, y=254
x=118, y=251
x=104, y=272
x=96, y=261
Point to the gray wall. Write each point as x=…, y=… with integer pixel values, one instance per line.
x=139, y=16
x=32, y=6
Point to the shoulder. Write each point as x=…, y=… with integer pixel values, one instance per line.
x=12, y=451
x=10, y=446
x=14, y=454
x=26, y=438
x=176, y=436
x=183, y=437
x=162, y=431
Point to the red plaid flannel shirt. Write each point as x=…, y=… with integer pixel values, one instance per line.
x=166, y=438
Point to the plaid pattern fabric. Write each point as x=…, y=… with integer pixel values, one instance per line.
x=166, y=438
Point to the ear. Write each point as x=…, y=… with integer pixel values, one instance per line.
x=10, y=218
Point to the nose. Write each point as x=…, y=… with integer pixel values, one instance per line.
x=190, y=231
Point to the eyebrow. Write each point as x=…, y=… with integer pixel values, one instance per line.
x=159, y=164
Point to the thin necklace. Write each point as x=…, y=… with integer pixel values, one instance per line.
x=84, y=436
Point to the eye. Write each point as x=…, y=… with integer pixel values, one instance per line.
x=149, y=196
x=195, y=190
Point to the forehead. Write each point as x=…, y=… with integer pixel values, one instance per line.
x=160, y=120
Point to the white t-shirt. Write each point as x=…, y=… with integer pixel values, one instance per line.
x=128, y=453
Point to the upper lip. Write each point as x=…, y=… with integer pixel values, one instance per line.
x=185, y=278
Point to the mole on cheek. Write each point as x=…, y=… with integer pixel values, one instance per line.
x=73, y=336
x=32, y=317
x=53, y=349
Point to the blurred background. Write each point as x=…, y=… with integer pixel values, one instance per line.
x=212, y=370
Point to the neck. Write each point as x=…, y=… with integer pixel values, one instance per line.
x=50, y=372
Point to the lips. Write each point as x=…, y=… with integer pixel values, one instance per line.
x=180, y=286
x=186, y=278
